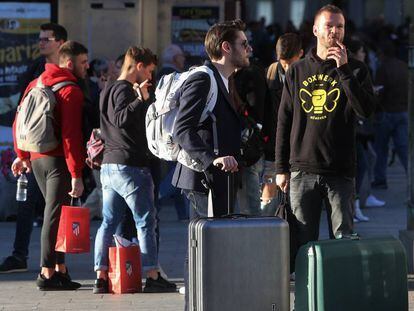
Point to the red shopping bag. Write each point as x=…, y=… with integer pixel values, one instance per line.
x=125, y=270
x=73, y=233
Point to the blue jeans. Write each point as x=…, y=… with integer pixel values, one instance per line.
x=362, y=164
x=389, y=125
x=181, y=203
x=134, y=186
x=248, y=196
x=309, y=191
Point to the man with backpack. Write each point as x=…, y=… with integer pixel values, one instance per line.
x=214, y=144
x=57, y=158
x=51, y=37
x=288, y=50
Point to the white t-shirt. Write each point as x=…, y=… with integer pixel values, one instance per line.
x=225, y=81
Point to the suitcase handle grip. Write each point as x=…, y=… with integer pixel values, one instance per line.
x=75, y=201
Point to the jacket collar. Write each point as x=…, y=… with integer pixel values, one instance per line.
x=220, y=83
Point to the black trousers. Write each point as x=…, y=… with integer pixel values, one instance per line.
x=54, y=182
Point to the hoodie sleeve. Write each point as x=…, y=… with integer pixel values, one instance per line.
x=358, y=88
x=71, y=106
x=284, y=127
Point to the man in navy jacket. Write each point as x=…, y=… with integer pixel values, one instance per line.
x=228, y=48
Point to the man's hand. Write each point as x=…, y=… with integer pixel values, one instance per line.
x=227, y=163
x=338, y=53
x=142, y=89
x=77, y=187
x=282, y=180
x=21, y=165
x=269, y=189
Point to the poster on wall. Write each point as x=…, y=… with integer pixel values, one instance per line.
x=19, y=33
x=189, y=25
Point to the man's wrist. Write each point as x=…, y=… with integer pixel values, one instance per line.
x=270, y=179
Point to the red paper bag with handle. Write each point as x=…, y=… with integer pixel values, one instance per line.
x=125, y=270
x=73, y=233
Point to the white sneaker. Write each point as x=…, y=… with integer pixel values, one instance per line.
x=372, y=201
x=358, y=212
x=182, y=290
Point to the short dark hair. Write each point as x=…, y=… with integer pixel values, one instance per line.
x=354, y=45
x=288, y=45
x=135, y=55
x=71, y=49
x=220, y=32
x=97, y=67
x=328, y=8
x=59, y=32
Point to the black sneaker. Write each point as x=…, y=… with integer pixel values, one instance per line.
x=56, y=282
x=159, y=285
x=64, y=276
x=66, y=279
x=101, y=286
x=13, y=264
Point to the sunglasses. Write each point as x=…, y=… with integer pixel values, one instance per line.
x=45, y=40
x=245, y=44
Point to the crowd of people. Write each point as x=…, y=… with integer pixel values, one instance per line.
x=315, y=124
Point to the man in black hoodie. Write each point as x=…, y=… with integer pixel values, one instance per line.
x=315, y=142
x=125, y=173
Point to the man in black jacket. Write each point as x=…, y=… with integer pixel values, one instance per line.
x=315, y=142
x=228, y=48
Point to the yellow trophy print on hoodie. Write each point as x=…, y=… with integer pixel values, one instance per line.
x=320, y=96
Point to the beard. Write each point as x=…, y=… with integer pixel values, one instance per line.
x=238, y=61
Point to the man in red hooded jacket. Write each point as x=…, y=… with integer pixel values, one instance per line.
x=59, y=171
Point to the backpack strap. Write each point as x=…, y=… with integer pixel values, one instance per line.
x=215, y=137
x=56, y=87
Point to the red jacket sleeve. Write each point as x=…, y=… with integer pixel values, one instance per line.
x=70, y=103
x=20, y=153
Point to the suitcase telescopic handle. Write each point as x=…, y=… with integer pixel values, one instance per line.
x=230, y=193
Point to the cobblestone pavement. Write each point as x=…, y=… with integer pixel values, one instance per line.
x=18, y=290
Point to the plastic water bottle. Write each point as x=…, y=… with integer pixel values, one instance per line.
x=21, y=193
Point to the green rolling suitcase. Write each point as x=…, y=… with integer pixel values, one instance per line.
x=352, y=275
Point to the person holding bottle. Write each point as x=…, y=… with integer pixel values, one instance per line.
x=58, y=171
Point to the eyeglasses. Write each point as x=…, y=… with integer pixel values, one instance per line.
x=46, y=40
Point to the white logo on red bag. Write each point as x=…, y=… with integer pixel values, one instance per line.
x=76, y=228
x=128, y=266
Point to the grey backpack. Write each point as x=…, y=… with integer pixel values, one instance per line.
x=35, y=121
